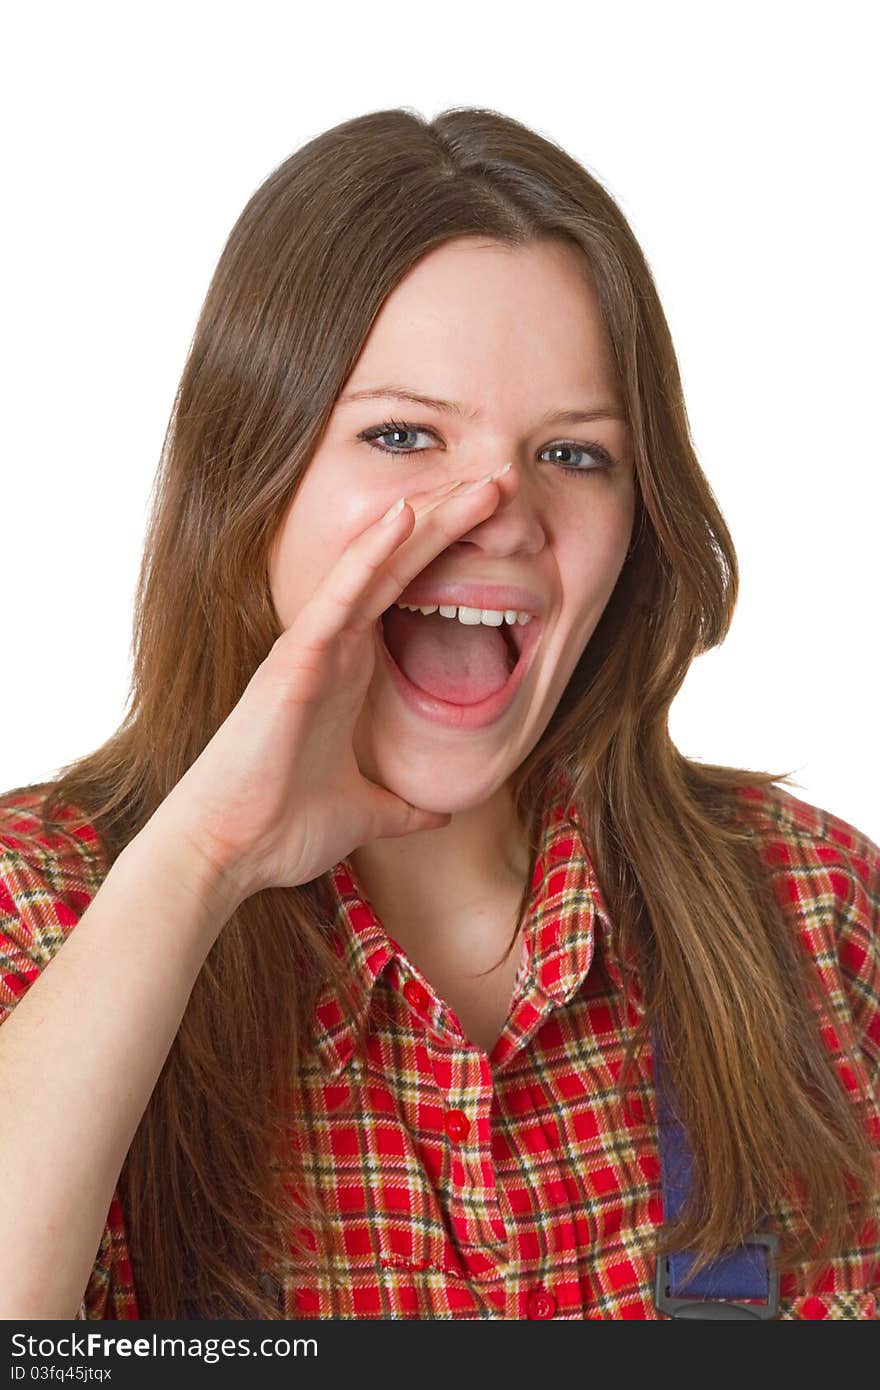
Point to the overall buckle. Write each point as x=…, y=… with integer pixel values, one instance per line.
x=693, y=1306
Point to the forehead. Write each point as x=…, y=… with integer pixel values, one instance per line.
x=475, y=320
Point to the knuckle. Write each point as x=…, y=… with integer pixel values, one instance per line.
x=400, y=580
x=372, y=564
x=339, y=599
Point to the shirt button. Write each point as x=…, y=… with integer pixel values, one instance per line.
x=456, y=1124
x=416, y=994
x=541, y=1304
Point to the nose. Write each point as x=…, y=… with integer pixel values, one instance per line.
x=515, y=524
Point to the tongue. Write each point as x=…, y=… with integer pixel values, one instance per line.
x=457, y=662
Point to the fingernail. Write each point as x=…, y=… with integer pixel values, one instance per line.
x=394, y=511
x=489, y=478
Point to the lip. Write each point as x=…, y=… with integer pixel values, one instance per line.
x=484, y=712
x=462, y=594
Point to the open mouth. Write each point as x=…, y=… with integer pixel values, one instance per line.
x=458, y=673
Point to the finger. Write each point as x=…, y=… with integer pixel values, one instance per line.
x=438, y=525
x=328, y=610
x=362, y=583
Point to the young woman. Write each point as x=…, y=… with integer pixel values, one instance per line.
x=385, y=900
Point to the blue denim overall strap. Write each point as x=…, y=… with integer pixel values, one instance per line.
x=745, y=1272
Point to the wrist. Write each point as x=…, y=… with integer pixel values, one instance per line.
x=177, y=862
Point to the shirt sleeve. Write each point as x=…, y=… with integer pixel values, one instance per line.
x=826, y=875
x=46, y=883
x=859, y=947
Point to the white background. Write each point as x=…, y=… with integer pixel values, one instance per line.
x=740, y=141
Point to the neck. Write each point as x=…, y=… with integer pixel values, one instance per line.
x=480, y=856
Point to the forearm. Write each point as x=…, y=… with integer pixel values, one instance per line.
x=80, y=1057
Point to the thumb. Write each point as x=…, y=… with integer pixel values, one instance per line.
x=394, y=816
x=428, y=820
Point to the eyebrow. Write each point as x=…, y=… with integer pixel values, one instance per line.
x=572, y=416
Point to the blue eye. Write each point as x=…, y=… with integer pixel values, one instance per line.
x=595, y=450
x=393, y=427
x=373, y=435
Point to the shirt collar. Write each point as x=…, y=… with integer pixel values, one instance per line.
x=566, y=916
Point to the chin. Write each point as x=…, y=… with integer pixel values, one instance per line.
x=434, y=783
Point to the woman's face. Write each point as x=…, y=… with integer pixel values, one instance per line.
x=513, y=336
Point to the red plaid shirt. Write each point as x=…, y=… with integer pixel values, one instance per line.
x=513, y=1185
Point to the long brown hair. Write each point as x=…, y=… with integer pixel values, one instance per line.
x=305, y=270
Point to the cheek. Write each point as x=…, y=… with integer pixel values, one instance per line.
x=318, y=527
x=591, y=548
x=591, y=557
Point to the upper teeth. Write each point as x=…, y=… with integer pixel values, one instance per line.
x=493, y=617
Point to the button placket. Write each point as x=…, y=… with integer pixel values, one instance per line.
x=474, y=1210
x=465, y=1086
